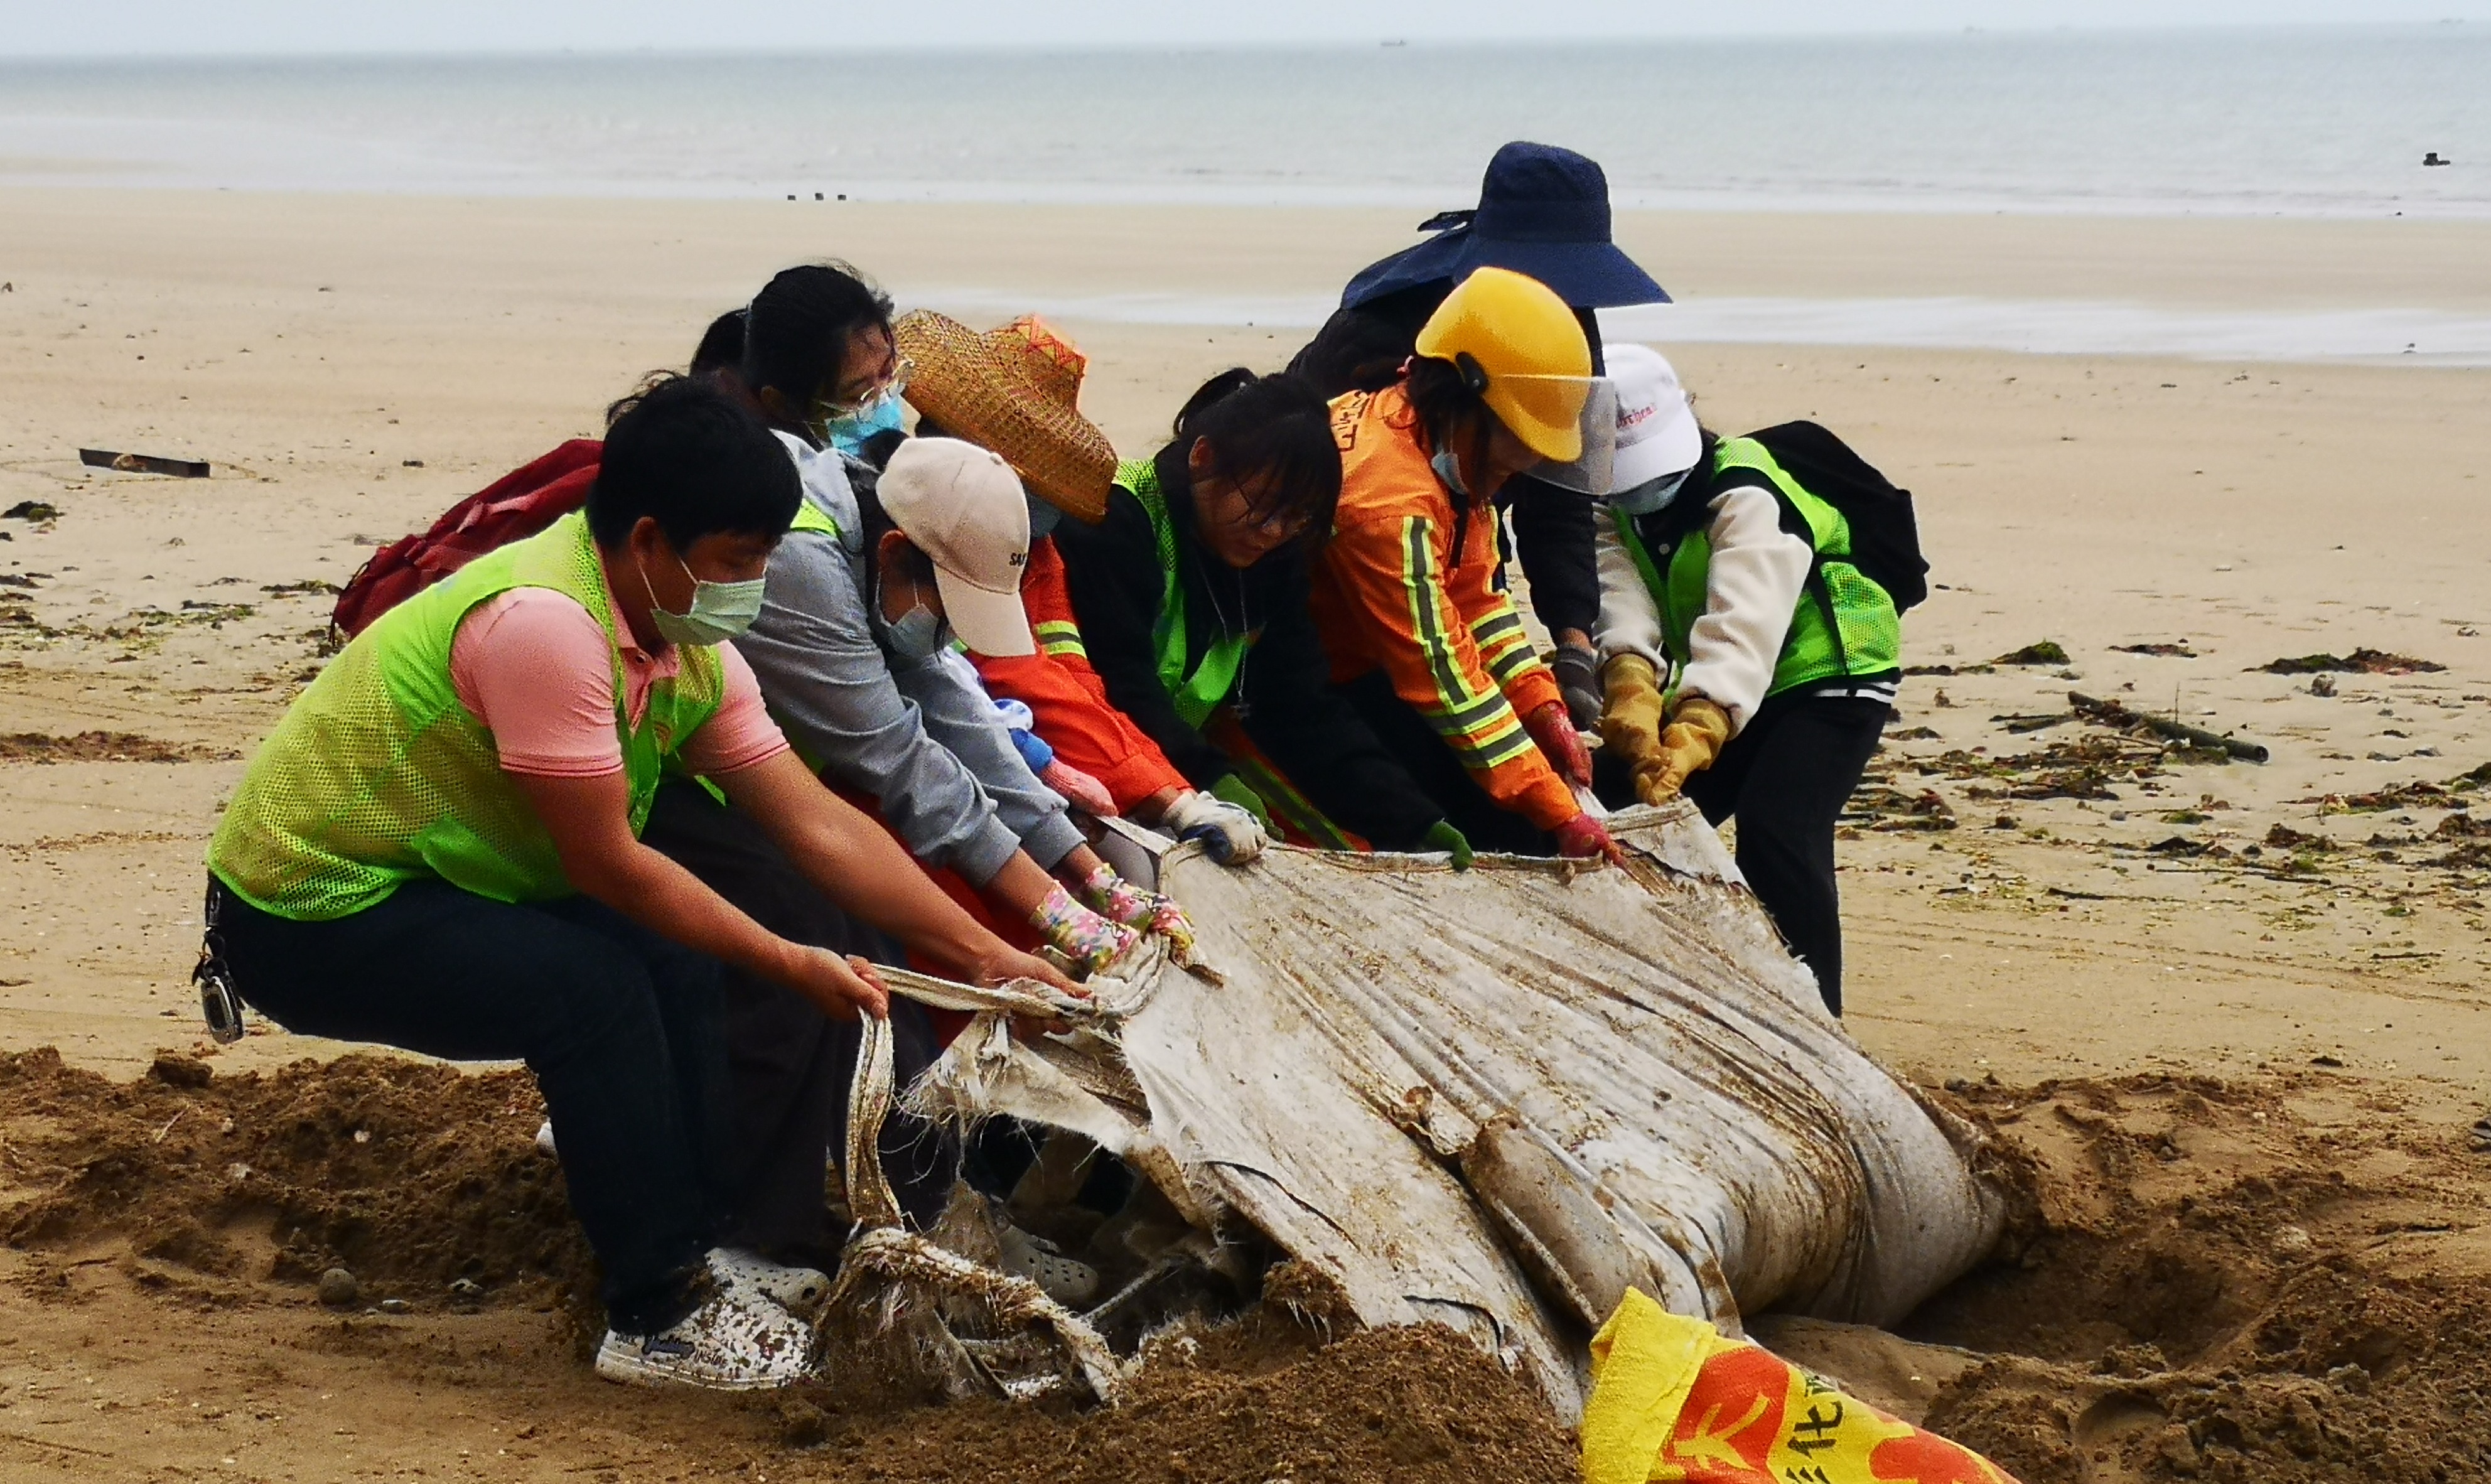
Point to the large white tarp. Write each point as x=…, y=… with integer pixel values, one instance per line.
x=1496, y=1099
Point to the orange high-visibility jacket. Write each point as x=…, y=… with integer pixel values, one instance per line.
x=1069, y=699
x=1391, y=594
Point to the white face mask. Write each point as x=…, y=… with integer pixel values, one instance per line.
x=917, y=634
x=1650, y=495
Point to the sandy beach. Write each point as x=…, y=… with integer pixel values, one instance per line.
x=2303, y=939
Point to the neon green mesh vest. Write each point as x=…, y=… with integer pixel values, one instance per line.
x=378, y=776
x=1199, y=694
x=1845, y=623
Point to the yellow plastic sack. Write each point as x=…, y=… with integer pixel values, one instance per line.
x=1671, y=1398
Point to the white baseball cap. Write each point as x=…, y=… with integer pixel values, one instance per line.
x=963, y=507
x=1657, y=432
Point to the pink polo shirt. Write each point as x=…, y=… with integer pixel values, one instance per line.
x=533, y=666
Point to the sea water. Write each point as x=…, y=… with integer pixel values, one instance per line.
x=2314, y=122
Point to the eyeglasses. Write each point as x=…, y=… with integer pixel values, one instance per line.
x=891, y=383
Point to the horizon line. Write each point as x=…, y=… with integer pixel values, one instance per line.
x=1307, y=44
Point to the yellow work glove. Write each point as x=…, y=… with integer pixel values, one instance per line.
x=1630, y=713
x=1688, y=745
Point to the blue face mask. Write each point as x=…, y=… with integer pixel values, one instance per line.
x=918, y=635
x=1650, y=495
x=849, y=432
x=1449, y=470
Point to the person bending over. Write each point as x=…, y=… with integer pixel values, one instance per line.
x=1193, y=595
x=861, y=611
x=1720, y=570
x=1422, y=641
x=438, y=848
x=1016, y=389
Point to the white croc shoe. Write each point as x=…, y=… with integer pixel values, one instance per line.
x=735, y=1341
x=800, y=1291
x=1069, y=1282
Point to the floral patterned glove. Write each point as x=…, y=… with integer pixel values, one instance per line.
x=1079, y=934
x=1114, y=897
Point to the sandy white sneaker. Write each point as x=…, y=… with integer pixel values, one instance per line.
x=1069, y=1282
x=735, y=1341
x=800, y=1291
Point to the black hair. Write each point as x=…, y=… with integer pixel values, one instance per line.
x=1451, y=402
x=798, y=328
x=1273, y=430
x=722, y=345
x=912, y=561
x=687, y=454
x=1356, y=350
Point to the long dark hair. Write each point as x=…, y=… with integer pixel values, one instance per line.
x=798, y=328
x=1274, y=432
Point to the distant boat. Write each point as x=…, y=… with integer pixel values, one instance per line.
x=2432, y=159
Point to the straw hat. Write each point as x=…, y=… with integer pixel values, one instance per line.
x=1015, y=390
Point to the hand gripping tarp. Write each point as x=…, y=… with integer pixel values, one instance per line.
x=1497, y=1099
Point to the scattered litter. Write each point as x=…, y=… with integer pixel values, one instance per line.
x=105, y=748
x=2121, y=717
x=2034, y=723
x=2362, y=662
x=2179, y=651
x=144, y=464
x=1949, y=670
x=2285, y=838
x=2046, y=653
x=1880, y=806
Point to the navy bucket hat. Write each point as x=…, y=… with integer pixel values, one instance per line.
x=1542, y=210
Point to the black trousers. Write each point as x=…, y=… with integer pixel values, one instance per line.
x=619, y=1025
x=1785, y=777
x=1439, y=772
x=790, y=1065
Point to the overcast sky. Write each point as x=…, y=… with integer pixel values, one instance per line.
x=68, y=27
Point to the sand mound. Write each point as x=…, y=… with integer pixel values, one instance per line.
x=2268, y=1282
x=2262, y=1283
x=412, y=1177
x=236, y=1192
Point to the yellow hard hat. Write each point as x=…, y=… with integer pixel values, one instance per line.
x=1525, y=353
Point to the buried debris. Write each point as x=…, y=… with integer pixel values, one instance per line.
x=1494, y=1099
x=144, y=464
x=2121, y=717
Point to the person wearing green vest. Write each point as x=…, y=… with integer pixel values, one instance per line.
x=438, y=848
x=1721, y=571
x=1192, y=598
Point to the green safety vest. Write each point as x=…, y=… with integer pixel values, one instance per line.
x=1199, y=694
x=810, y=517
x=1845, y=623
x=378, y=776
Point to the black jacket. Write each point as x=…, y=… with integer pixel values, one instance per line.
x=1282, y=698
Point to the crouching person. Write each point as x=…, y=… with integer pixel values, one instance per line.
x=438, y=850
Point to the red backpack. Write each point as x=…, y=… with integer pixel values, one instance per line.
x=516, y=506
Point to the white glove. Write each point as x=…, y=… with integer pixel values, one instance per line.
x=1233, y=834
